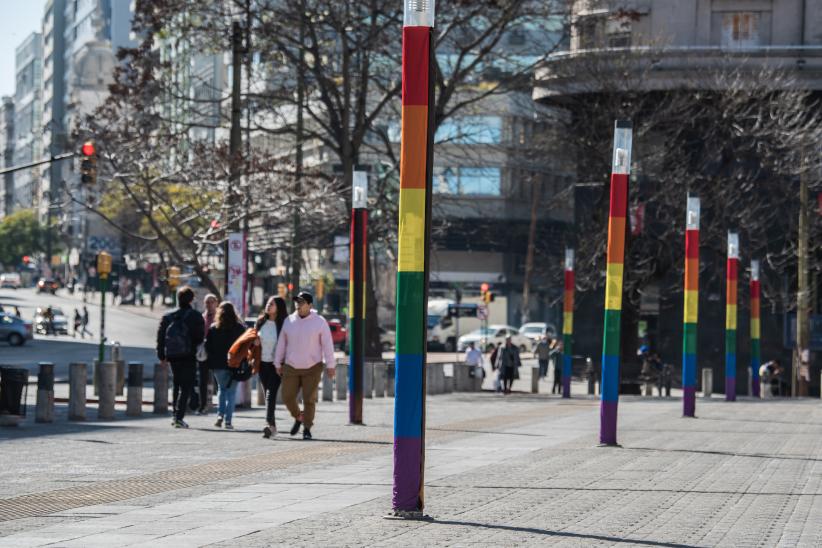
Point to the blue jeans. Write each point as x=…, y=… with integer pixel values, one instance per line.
x=227, y=393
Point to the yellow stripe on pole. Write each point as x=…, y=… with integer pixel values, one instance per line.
x=568, y=323
x=730, y=316
x=412, y=230
x=691, y=312
x=613, y=286
x=755, y=328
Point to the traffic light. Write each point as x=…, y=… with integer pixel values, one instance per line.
x=487, y=294
x=282, y=290
x=174, y=276
x=88, y=164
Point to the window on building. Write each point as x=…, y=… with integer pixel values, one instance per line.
x=591, y=30
x=740, y=29
x=468, y=181
x=470, y=130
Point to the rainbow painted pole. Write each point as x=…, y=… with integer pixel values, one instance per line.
x=621, y=169
x=691, y=308
x=756, y=358
x=416, y=163
x=568, y=324
x=356, y=295
x=732, y=279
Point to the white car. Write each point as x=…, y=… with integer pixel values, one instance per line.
x=535, y=331
x=10, y=280
x=486, y=338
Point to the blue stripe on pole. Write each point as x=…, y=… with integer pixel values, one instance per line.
x=688, y=370
x=567, y=362
x=610, y=378
x=408, y=396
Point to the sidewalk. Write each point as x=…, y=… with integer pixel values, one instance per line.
x=521, y=469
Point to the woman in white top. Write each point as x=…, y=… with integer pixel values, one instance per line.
x=268, y=326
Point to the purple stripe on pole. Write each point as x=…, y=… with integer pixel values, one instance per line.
x=689, y=401
x=608, y=422
x=407, y=468
x=730, y=388
x=566, y=387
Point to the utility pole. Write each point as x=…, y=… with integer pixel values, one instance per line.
x=235, y=151
x=801, y=357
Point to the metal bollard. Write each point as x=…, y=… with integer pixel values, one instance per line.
x=117, y=357
x=134, y=398
x=535, y=380
x=448, y=381
x=328, y=387
x=368, y=380
x=44, y=411
x=342, y=381
x=160, y=389
x=434, y=379
x=707, y=382
x=108, y=389
x=379, y=380
x=77, y=391
x=462, y=378
x=390, y=372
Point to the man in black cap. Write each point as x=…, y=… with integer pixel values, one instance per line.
x=302, y=346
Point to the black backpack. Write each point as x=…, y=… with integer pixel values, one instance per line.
x=178, y=338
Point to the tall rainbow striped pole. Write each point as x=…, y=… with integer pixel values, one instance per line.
x=568, y=324
x=732, y=279
x=621, y=169
x=756, y=358
x=416, y=168
x=356, y=295
x=691, y=308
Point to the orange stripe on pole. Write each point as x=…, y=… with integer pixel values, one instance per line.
x=414, y=146
x=616, y=240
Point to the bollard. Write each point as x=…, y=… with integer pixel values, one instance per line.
x=117, y=357
x=44, y=411
x=77, y=391
x=750, y=383
x=244, y=394
x=107, y=389
x=134, y=398
x=535, y=380
x=390, y=372
x=435, y=378
x=368, y=380
x=448, y=380
x=707, y=382
x=342, y=381
x=160, y=389
x=462, y=378
x=379, y=380
x=328, y=386
x=649, y=389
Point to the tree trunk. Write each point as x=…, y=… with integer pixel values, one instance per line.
x=536, y=192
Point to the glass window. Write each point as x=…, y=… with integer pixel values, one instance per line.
x=470, y=130
x=740, y=29
x=480, y=181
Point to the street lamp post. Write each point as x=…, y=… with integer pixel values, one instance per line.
x=731, y=288
x=620, y=172
x=756, y=357
x=416, y=166
x=568, y=324
x=356, y=295
x=103, y=270
x=690, y=307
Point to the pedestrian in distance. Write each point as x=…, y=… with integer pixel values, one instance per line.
x=473, y=358
x=179, y=334
x=304, y=342
x=543, y=352
x=85, y=321
x=222, y=334
x=269, y=325
x=554, y=354
x=205, y=379
x=78, y=323
x=508, y=362
x=495, y=369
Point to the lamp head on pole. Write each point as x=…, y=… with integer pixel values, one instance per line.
x=623, y=142
x=418, y=13
x=733, y=245
x=359, y=190
x=569, y=259
x=692, y=219
x=755, y=271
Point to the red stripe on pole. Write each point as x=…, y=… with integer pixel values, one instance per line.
x=569, y=280
x=755, y=290
x=415, y=41
x=619, y=195
x=733, y=269
x=692, y=244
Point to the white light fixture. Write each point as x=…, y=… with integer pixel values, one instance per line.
x=755, y=271
x=569, y=259
x=359, y=190
x=623, y=142
x=733, y=245
x=418, y=13
x=692, y=220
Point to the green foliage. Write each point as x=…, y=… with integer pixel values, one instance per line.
x=20, y=234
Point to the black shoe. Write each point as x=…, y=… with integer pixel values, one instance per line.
x=296, y=427
x=307, y=434
x=267, y=432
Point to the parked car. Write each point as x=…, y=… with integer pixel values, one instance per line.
x=16, y=331
x=493, y=334
x=60, y=323
x=535, y=331
x=47, y=285
x=10, y=280
x=339, y=334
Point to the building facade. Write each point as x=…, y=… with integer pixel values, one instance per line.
x=28, y=103
x=7, y=154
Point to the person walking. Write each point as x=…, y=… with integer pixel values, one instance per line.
x=225, y=330
x=205, y=379
x=85, y=321
x=495, y=369
x=304, y=342
x=543, y=352
x=555, y=355
x=179, y=334
x=78, y=322
x=268, y=327
x=473, y=358
x=508, y=362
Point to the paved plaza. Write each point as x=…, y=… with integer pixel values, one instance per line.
x=522, y=469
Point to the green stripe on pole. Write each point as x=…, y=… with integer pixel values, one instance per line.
x=689, y=338
x=611, y=342
x=567, y=342
x=410, y=310
x=730, y=341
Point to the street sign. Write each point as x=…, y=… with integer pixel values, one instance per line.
x=482, y=313
x=463, y=310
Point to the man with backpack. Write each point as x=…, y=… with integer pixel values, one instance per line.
x=177, y=338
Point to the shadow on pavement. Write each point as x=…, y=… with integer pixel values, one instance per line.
x=724, y=453
x=559, y=534
x=627, y=490
x=31, y=431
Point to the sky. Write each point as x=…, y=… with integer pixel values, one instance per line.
x=19, y=19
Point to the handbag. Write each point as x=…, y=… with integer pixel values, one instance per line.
x=242, y=372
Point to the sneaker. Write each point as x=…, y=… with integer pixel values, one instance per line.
x=219, y=422
x=267, y=432
x=297, y=424
x=228, y=426
x=307, y=434
x=180, y=424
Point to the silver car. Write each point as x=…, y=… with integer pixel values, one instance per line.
x=14, y=330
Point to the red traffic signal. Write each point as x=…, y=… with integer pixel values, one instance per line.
x=88, y=149
x=26, y=259
x=484, y=287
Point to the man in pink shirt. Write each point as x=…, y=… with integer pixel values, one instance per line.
x=303, y=344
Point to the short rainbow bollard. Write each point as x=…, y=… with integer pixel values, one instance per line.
x=691, y=308
x=731, y=284
x=568, y=324
x=756, y=358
